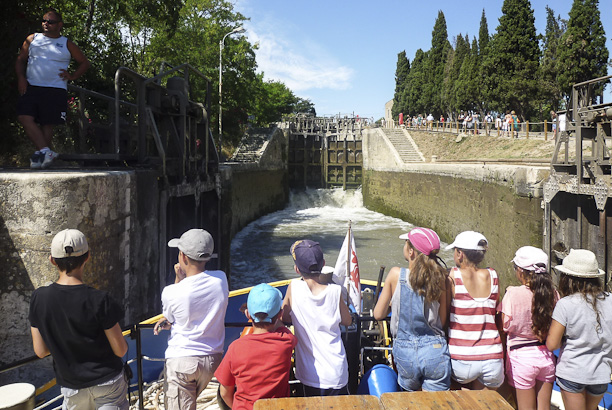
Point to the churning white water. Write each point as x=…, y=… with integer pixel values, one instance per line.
x=260, y=252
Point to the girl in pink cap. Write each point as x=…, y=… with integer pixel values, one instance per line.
x=419, y=298
x=526, y=317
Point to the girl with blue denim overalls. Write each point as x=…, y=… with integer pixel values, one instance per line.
x=419, y=298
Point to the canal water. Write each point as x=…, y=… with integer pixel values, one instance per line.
x=260, y=252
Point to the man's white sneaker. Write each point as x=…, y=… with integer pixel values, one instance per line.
x=49, y=157
x=36, y=160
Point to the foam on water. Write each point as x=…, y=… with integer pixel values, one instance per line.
x=260, y=252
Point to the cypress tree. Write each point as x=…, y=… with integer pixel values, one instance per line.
x=452, y=71
x=511, y=65
x=583, y=54
x=401, y=83
x=415, y=101
x=436, y=59
x=483, y=35
x=550, y=91
x=483, y=45
x=468, y=81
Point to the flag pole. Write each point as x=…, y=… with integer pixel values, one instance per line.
x=348, y=264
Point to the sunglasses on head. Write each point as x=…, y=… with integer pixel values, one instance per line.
x=49, y=21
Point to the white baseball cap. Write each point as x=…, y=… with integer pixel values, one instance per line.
x=69, y=242
x=468, y=240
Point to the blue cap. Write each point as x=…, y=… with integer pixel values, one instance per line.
x=263, y=298
x=308, y=256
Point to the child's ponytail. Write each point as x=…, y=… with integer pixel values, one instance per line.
x=543, y=302
x=426, y=276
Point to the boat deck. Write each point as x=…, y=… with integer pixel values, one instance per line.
x=444, y=400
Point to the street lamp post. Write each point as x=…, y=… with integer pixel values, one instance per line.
x=221, y=45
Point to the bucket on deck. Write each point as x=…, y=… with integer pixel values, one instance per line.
x=17, y=396
x=378, y=380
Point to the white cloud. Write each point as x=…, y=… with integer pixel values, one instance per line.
x=299, y=65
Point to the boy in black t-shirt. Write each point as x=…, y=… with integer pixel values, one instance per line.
x=79, y=326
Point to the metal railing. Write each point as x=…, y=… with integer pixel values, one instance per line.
x=145, y=123
x=544, y=129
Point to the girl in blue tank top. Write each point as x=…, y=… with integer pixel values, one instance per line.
x=419, y=299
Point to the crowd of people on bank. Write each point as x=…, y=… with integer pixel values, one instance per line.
x=471, y=122
x=449, y=328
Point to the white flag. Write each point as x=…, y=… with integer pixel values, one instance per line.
x=352, y=280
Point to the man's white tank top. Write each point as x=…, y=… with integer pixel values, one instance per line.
x=319, y=354
x=46, y=57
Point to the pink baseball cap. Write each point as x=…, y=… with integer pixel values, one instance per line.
x=424, y=240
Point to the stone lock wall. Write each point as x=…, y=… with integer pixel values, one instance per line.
x=504, y=202
x=452, y=205
x=118, y=213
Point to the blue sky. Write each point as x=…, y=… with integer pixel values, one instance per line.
x=342, y=54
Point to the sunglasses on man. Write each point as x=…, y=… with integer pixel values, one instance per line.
x=49, y=21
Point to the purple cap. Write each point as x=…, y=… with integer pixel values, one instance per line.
x=308, y=256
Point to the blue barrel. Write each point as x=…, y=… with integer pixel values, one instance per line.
x=378, y=380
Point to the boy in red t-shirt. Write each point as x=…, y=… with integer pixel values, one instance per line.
x=257, y=365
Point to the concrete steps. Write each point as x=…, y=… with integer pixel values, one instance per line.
x=252, y=145
x=404, y=146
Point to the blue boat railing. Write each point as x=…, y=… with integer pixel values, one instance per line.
x=135, y=333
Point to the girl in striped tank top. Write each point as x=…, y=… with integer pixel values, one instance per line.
x=474, y=341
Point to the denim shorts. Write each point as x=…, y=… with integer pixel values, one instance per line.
x=592, y=389
x=488, y=372
x=422, y=363
x=529, y=364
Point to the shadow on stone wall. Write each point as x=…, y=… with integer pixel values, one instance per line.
x=15, y=291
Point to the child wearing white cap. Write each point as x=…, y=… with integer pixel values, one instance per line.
x=193, y=308
x=526, y=317
x=474, y=341
x=257, y=365
x=79, y=326
x=582, y=328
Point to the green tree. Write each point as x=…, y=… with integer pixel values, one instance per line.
x=483, y=35
x=467, y=85
x=273, y=99
x=204, y=23
x=434, y=66
x=510, y=68
x=304, y=106
x=583, y=54
x=451, y=75
x=414, y=96
x=483, y=47
x=401, y=83
x=550, y=92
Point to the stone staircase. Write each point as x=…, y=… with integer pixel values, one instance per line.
x=404, y=145
x=252, y=145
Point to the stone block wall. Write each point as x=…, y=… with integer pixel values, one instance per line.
x=118, y=211
x=452, y=205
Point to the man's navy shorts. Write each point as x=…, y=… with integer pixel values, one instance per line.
x=47, y=105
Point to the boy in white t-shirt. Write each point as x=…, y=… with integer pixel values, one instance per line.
x=194, y=311
x=317, y=310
